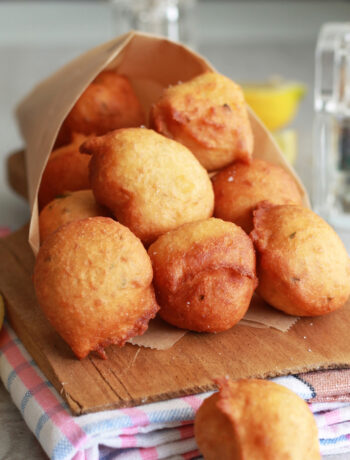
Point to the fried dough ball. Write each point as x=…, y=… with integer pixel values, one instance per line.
x=303, y=267
x=66, y=170
x=67, y=208
x=240, y=187
x=256, y=420
x=92, y=279
x=150, y=183
x=208, y=115
x=204, y=275
x=108, y=103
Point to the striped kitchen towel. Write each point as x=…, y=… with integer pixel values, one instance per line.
x=162, y=430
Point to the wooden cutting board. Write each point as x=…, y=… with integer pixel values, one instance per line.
x=132, y=375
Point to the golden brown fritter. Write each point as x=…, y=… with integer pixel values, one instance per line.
x=208, y=115
x=240, y=187
x=67, y=208
x=303, y=267
x=92, y=279
x=150, y=183
x=66, y=170
x=108, y=103
x=256, y=420
x=204, y=275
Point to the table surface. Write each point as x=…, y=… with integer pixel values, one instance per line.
x=247, y=41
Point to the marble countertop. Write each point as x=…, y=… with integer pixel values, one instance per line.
x=245, y=40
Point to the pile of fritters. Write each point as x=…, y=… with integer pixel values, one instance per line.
x=114, y=189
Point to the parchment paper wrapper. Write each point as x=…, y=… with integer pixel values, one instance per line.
x=260, y=314
x=151, y=63
x=163, y=336
x=159, y=335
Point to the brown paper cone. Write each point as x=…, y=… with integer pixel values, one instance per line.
x=151, y=63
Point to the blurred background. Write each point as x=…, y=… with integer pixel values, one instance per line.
x=268, y=46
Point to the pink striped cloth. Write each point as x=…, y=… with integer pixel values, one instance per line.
x=155, y=431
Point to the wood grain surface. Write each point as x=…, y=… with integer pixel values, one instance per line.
x=132, y=375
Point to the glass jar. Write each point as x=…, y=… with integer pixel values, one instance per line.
x=173, y=19
x=331, y=137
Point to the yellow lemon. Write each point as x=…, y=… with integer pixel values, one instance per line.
x=288, y=143
x=2, y=311
x=275, y=102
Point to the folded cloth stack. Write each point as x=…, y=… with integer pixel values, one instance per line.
x=162, y=430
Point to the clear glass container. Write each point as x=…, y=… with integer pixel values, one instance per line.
x=174, y=19
x=331, y=143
